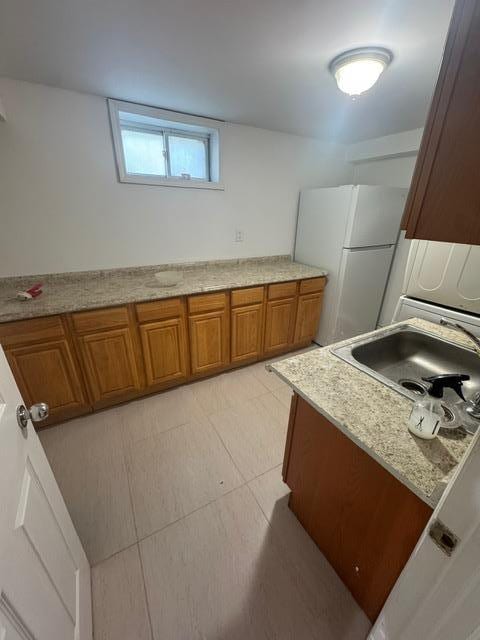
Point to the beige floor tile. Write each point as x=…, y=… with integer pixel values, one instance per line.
x=254, y=437
x=336, y=613
x=97, y=496
x=218, y=574
x=275, y=408
x=118, y=598
x=90, y=436
x=155, y=414
x=269, y=379
x=176, y=472
x=284, y=394
x=223, y=391
x=88, y=462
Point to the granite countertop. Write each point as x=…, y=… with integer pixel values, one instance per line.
x=66, y=292
x=375, y=417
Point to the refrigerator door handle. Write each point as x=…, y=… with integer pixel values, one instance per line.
x=369, y=248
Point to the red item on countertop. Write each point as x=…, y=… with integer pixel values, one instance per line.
x=36, y=290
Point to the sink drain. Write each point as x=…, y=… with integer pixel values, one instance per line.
x=412, y=385
x=449, y=415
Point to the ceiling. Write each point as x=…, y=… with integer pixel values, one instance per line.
x=256, y=62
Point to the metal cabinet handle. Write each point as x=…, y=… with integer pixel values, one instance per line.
x=37, y=413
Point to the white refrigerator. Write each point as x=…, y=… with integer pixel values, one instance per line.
x=351, y=231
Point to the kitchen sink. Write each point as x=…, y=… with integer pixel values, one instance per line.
x=400, y=357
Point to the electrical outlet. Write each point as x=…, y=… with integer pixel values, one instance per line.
x=239, y=235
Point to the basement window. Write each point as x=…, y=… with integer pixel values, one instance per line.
x=159, y=147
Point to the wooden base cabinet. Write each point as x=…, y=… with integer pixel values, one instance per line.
x=309, y=309
x=163, y=335
x=280, y=317
x=362, y=518
x=87, y=360
x=247, y=324
x=44, y=365
x=106, y=342
x=209, y=333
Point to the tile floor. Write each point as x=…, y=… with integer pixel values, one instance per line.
x=179, y=502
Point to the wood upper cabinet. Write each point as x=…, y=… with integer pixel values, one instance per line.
x=444, y=199
x=44, y=365
x=163, y=335
x=247, y=324
x=108, y=350
x=208, y=324
x=280, y=316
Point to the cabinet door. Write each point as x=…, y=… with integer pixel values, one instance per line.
x=164, y=345
x=209, y=348
x=110, y=365
x=444, y=201
x=247, y=324
x=279, y=324
x=365, y=522
x=308, y=317
x=46, y=372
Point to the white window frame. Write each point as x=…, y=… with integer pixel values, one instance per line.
x=205, y=129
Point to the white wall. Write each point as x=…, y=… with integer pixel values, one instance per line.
x=394, y=168
x=62, y=208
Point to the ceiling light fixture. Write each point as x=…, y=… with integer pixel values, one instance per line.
x=357, y=70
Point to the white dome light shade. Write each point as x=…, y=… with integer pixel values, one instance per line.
x=358, y=70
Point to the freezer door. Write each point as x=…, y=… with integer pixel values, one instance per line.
x=364, y=274
x=375, y=216
x=321, y=225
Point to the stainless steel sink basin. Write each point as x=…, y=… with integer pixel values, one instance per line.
x=401, y=356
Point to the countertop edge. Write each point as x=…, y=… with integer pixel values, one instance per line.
x=430, y=501
x=430, y=497
x=166, y=293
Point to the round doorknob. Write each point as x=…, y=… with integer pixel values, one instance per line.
x=37, y=413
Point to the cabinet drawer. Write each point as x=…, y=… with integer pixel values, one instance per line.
x=100, y=319
x=160, y=309
x=312, y=285
x=28, y=331
x=253, y=295
x=282, y=290
x=207, y=302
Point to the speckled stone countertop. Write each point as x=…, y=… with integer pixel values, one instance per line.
x=375, y=417
x=66, y=292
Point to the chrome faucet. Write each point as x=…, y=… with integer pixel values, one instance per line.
x=469, y=334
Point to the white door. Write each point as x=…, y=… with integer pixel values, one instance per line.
x=437, y=595
x=375, y=216
x=44, y=572
x=363, y=277
x=446, y=274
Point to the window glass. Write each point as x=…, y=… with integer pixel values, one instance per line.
x=188, y=157
x=144, y=152
x=159, y=147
